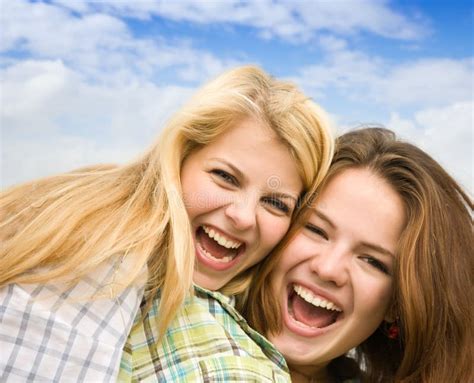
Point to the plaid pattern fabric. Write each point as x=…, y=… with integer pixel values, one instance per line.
x=207, y=342
x=52, y=333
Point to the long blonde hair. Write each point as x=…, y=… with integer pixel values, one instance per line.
x=64, y=226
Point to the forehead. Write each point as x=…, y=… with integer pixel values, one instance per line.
x=361, y=202
x=249, y=129
x=255, y=150
x=355, y=183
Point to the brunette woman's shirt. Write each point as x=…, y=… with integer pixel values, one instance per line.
x=208, y=341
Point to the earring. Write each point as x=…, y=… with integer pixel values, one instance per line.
x=393, y=331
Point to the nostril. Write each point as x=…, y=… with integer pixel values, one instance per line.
x=329, y=269
x=242, y=217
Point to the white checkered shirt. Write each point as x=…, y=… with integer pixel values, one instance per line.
x=51, y=333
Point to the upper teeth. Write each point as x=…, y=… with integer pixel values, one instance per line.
x=220, y=239
x=317, y=301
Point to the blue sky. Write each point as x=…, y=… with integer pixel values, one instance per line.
x=84, y=82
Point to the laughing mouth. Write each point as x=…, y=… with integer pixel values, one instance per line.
x=310, y=310
x=216, y=246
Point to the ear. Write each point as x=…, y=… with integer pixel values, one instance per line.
x=391, y=315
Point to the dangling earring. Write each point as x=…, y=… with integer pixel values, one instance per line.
x=393, y=331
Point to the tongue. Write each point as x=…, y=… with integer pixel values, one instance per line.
x=212, y=247
x=311, y=315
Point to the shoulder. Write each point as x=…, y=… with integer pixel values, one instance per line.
x=204, y=342
x=227, y=315
x=62, y=331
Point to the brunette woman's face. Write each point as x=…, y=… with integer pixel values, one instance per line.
x=334, y=280
x=240, y=192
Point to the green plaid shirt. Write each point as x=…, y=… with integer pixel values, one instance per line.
x=208, y=341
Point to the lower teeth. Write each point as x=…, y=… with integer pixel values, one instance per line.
x=303, y=324
x=225, y=259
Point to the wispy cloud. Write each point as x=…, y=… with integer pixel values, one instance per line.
x=81, y=85
x=446, y=133
x=429, y=100
x=297, y=21
x=433, y=81
x=414, y=83
x=53, y=120
x=99, y=46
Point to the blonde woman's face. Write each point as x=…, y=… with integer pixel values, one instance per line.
x=240, y=192
x=334, y=280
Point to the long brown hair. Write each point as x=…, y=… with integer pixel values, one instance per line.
x=433, y=281
x=64, y=226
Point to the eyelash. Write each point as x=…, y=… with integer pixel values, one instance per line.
x=376, y=263
x=278, y=204
x=316, y=230
x=225, y=176
x=230, y=179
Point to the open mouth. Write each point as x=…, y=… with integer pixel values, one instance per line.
x=309, y=310
x=217, y=247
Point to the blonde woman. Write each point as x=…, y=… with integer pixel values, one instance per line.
x=209, y=199
x=381, y=262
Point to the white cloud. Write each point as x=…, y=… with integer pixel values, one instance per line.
x=446, y=134
x=52, y=120
x=427, y=81
x=98, y=45
x=34, y=94
x=346, y=17
x=360, y=76
x=89, y=91
x=342, y=68
x=437, y=92
x=48, y=30
x=23, y=159
x=286, y=19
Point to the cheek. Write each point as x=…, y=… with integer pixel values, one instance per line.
x=373, y=298
x=203, y=196
x=273, y=229
x=296, y=252
x=195, y=201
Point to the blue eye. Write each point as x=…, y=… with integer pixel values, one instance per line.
x=277, y=204
x=225, y=176
x=316, y=230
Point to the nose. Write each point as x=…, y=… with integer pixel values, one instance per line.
x=242, y=212
x=331, y=264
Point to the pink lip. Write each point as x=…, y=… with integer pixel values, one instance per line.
x=215, y=265
x=291, y=324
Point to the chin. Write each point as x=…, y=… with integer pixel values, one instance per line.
x=207, y=282
x=295, y=351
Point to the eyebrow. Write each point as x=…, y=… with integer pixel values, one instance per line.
x=241, y=175
x=368, y=245
x=285, y=196
x=236, y=170
x=378, y=249
x=323, y=216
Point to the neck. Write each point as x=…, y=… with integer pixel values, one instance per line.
x=302, y=375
